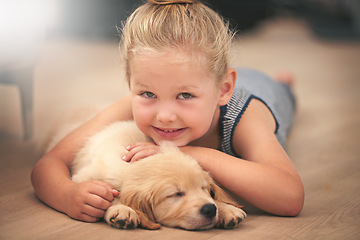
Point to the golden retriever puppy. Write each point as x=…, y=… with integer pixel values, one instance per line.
x=169, y=188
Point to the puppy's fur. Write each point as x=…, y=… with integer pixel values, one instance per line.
x=169, y=188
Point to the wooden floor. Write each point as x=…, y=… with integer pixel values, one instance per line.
x=324, y=144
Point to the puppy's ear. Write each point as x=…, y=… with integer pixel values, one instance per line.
x=144, y=210
x=221, y=195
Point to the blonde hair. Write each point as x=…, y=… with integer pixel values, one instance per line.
x=186, y=25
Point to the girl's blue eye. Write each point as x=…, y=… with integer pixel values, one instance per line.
x=185, y=96
x=148, y=95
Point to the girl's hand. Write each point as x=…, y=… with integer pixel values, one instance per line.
x=140, y=150
x=88, y=201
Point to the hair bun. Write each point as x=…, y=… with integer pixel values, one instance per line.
x=166, y=2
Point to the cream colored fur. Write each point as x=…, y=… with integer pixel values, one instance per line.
x=169, y=188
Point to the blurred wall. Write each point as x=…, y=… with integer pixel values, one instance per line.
x=27, y=25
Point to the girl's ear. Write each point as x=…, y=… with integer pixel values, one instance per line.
x=227, y=87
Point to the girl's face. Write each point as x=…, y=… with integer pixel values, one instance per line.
x=172, y=99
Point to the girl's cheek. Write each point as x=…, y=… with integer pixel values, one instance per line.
x=142, y=113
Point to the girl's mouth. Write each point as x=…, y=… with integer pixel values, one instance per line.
x=169, y=133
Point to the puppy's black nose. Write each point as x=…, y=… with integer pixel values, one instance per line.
x=208, y=210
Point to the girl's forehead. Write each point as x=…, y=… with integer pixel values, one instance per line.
x=171, y=61
x=161, y=59
x=156, y=69
x=173, y=55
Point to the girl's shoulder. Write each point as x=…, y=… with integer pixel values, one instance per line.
x=230, y=115
x=242, y=116
x=256, y=129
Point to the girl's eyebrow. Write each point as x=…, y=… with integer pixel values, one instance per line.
x=142, y=85
x=188, y=88
x=181, y=88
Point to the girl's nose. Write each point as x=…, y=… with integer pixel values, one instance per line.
x=166, y=115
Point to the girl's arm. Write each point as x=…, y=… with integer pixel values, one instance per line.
x=51, y=175
x=266, y=187
x=265, y=177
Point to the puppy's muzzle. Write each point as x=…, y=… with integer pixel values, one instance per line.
x=208, y=210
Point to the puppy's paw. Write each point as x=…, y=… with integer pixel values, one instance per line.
x=121, y=216
x=229, y=216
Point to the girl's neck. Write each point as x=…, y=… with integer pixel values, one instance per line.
x=211, y=138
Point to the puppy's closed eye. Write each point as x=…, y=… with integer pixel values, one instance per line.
x=212, y=193
x=177, y=194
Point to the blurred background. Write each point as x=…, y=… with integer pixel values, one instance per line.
x=57, y=53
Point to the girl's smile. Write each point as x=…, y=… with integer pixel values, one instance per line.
x=169, y=133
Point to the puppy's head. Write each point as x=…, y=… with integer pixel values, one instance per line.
x=171, y=188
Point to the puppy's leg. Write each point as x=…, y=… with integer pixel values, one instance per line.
x=229, y=211
x=229, y=215
x=121, y=216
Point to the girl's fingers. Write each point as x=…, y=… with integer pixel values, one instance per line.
x=98, y=202
x=104, y=190
x=139, y=151
x=139, y=144
x=86, y=218
x=143, y=154
x=93, y=212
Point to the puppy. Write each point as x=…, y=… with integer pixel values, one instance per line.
x=169, y=188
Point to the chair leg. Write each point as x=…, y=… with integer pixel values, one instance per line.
x=24, y=80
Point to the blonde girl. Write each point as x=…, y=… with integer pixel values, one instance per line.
x=233, y=122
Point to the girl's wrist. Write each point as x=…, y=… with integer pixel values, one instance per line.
x=65, y=193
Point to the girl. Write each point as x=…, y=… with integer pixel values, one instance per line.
x=182, y=90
